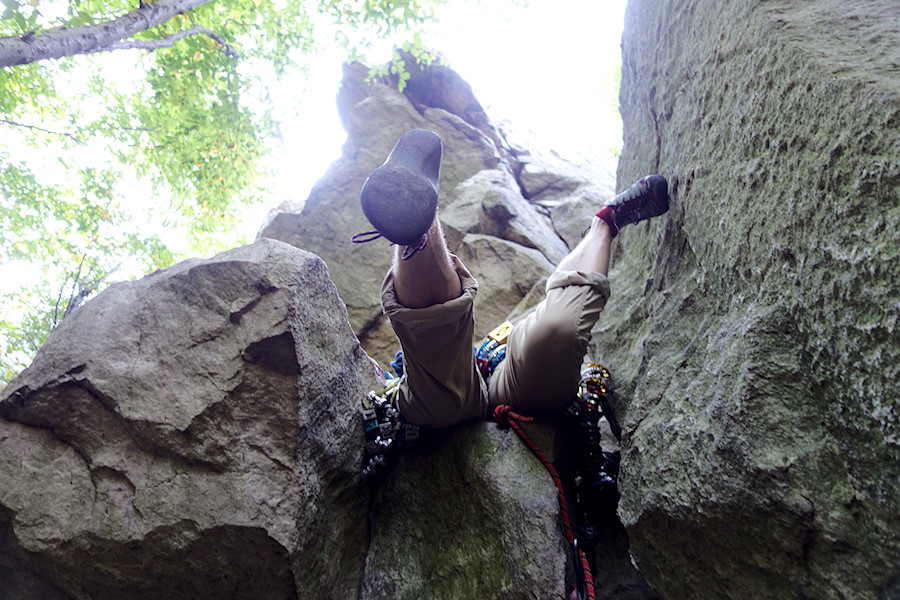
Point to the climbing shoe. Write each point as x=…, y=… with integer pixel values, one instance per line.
x=648, y=197
x=400, y=197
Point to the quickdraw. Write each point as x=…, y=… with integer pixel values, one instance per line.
x=386, y=429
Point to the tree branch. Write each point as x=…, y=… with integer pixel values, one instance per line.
x=63, y=41
x=169, y=41
x=56, y=317
x=36, y=128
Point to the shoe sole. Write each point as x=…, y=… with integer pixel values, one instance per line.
x=400, y=204
x=400, y=198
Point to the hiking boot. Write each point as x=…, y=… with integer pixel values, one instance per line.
x=400, y=197
x=648, y=197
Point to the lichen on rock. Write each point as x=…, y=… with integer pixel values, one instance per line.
x=757, y=321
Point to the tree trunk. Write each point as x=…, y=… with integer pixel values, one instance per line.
x=59, y=42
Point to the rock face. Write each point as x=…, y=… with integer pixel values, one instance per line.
x=487, y=188
x=456, y=519
x=190, y=435
x=511, y=215
x=195, y=434
x=756, y=325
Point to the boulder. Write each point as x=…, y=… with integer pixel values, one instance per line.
x=506, y=273
x=546, y=177
x=192, y=434
x=491, y=203
x=752, y=332
x=195, y=434
x=375, y=114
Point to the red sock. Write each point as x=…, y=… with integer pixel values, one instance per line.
x=608, y=214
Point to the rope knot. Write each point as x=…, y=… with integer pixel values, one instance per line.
x=504, y=416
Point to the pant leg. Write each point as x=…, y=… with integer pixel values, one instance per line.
x=441, y=385
x=545, y=350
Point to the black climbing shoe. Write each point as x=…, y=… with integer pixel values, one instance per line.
x=648, y=197
x=400, y=197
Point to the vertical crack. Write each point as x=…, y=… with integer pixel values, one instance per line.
x=655, y=117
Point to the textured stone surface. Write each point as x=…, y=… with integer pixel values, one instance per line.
x=756, y=324
x=491, y=203
x=191, y=434
x=488, y=525
x=506, y=273
x=547, y=177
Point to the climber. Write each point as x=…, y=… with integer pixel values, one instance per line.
x=428, y=296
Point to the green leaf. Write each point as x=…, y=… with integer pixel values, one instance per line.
x=92, y=157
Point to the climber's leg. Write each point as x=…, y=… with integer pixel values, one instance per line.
x=592, y=253
x=441, y=385
x=546, y=349
x=429, y=301
x=428, y=277
x=427, y=294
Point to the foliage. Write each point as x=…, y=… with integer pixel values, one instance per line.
x=116, y=164
x=396, y=67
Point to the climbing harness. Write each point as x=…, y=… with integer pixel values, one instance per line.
x=493, y=350
x=386, y=430
x=596, y=472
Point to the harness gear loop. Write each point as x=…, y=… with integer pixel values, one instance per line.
x=506, y=417
x=386, y=429
x=596, y=471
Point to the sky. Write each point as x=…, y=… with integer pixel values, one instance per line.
x=546, y=71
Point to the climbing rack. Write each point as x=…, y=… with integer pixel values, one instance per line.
x=387, y=432
x=596, y=471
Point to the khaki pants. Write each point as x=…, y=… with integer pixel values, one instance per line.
x=441, y=384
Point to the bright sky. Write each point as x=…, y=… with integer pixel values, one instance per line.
x=547, y=69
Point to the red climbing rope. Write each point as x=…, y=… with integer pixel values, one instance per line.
x=504, y=415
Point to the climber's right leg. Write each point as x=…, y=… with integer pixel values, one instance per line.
x=545, y=350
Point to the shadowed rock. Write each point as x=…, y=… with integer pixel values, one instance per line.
x=756, y=324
